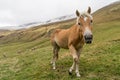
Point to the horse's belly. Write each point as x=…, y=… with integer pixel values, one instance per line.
x=61, y=38
x=65, y=46
x=63, y=42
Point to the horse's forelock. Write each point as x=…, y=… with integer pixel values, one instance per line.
x=85, y=14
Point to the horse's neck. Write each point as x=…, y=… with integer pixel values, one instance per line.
x=78, y=31
x=76, y=28
x=76, y=35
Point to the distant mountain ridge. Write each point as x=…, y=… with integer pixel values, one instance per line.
x=59, y=19
x=32, y=24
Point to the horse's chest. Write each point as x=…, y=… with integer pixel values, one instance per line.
x=78, y=43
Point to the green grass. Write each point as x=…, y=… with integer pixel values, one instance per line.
x=31, y=60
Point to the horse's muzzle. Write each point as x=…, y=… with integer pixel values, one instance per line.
x=88, y=39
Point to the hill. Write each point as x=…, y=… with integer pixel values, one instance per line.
x=108, y=13
x=4, y=32
x=26, y=54
x=34, y=33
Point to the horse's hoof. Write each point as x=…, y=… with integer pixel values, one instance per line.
x=78, y=75
x=54, y=68
x=70, y=73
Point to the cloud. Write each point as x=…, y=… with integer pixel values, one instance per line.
x=7, y=18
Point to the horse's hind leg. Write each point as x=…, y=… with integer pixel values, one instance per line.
x=56, y=49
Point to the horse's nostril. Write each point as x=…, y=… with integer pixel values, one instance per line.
x=88, y=37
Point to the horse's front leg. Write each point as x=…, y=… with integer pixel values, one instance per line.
x=75, y=55
x=77, y=62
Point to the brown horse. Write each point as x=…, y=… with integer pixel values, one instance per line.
x=73, y=39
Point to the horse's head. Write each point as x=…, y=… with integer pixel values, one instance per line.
x=84, y=21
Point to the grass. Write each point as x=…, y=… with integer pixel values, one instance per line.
x=31, y=60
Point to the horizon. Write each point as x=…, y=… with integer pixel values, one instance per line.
x=15, y=13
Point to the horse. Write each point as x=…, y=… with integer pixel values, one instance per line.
x=73, y=39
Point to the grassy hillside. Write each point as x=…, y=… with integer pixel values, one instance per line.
x=4, y=32
x=108, y=13
x=26, y=54
x=34, y=33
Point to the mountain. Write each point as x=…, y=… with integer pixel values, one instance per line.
x=32, y=24
x=108, y=13
x=3, y=31
x=59, y=19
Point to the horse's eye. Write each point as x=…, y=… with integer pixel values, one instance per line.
x=79, y=23
x=91, y=21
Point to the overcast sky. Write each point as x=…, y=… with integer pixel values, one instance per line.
x=16, y=12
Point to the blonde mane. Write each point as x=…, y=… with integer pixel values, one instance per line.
x=86, y=14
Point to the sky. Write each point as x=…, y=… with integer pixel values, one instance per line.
x=17, y=12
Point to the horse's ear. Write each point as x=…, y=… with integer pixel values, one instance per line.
x=77, y=13
x=89, y=10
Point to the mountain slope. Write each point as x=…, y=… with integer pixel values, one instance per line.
x=108, y=13
x=34, y=33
